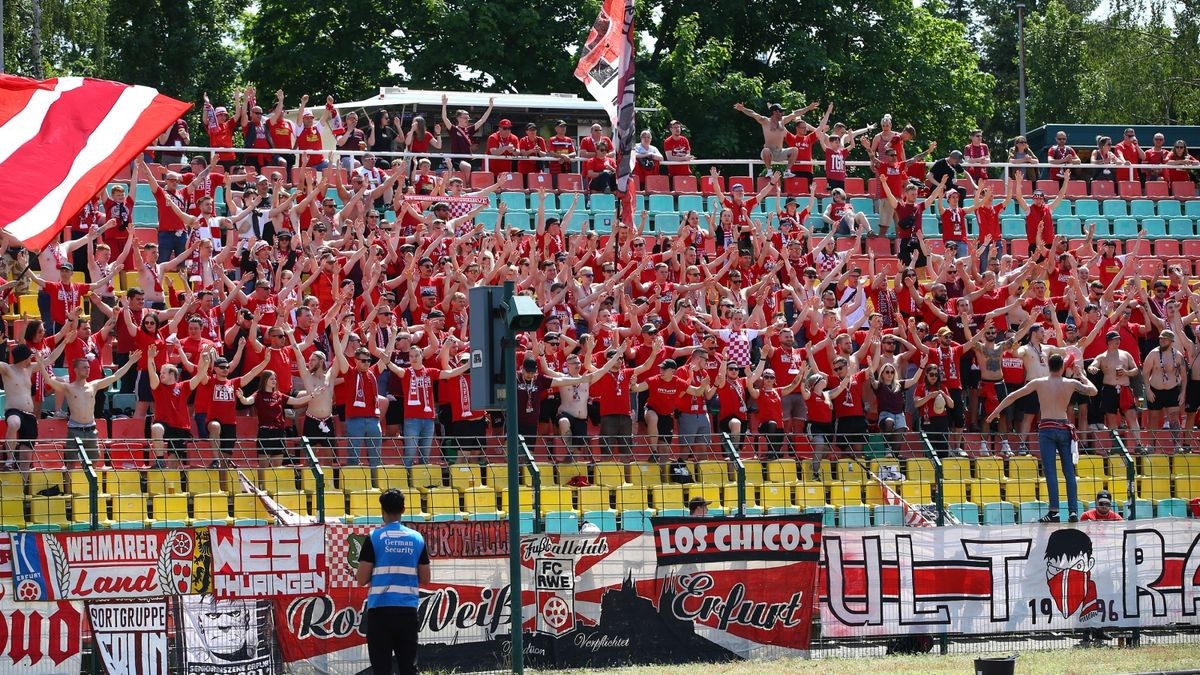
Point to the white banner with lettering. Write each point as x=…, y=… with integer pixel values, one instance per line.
x=981, y=580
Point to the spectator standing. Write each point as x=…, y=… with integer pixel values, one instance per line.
x=502, y=143
x=678, y=148
x=978, y=156
x=1020, y=153
x=562, y=147
x=1131, y=151
x=532, y=145
x=462, y=132
x=1061, y=154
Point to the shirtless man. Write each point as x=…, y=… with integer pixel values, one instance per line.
x=575, y=385
x=319, y=380
x=1056, y=436
x=774, y=130
x=81, y=399
x=1116, y=396
x=20, y=414
x=1163, y=370
x=1034, y=356
x=989, y=355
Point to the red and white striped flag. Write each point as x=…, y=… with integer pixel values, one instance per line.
x=62, y=140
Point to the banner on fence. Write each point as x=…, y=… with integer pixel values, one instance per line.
x=1012, y=578
x=267, y=561
x=42, y=638
x=113, y=564
x=224, y=637
x=131, y=637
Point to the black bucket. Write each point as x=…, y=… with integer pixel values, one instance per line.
x=1004, y=665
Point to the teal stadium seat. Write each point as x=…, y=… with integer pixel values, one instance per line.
x=1127, y=228
x=535, y=201
x=1142, y=208
x=1155, y=228
x=1086, y=208
x=602, y=202
x=1180, y=227
x=691, y=203
x=1030, y=512
x=562, y=522
x=966, y=513
x=519, y=219
x=999, y=513
x=1170, y=208
x=1012, y=227
x=145, y=214
x=605, y=520
x=666, y=222
x=1069, y=227
x=661, y=203
x=515, y=200
x=855, y=516
x=636, y=520
x=890, y=515
x=1172, y=508
x=1115, y=208
x=1100, y=224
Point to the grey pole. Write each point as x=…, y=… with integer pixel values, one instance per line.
x=514, y=489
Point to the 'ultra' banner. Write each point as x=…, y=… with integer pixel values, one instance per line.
x=1011, y=579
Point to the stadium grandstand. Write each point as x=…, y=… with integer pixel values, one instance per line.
x=812, y=337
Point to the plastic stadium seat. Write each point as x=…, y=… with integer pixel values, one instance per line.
x=210, y=507
x=609, y=474
x=572, y=182
x=711, y=472
x=745, y=181
x=1180, y=227
x=855, y=186
x=524, y=500
x=1085, y=208
x=1021, y=490
x=1144, y=508
x=855, y=516
x=482, y=179
x=1115, y=208
x=1186, y=465
x=568, y=472
x=636, y=520
x=557, y=499
x=828, y=514
x=277, y=479
x=594, y=498
x=465, y=475
x=1090, y=466
x=602, y=202
x=710, y=492
x=952, y=492
x=810, y=494
x=843, y=494
x=1127, y=228
x=673, y=513
x=1142, y=208
x=1191, y=209
x=1129, y=189
x=1169, y=248
x=666, y=223
x=535, y=200
x=668, y=496
x=1170, y=208
x=1103, y=188
x=1048, y=186
x=772, y=495
x=685, y=184
x=660, y=202
x=967, y=514
x=644, y=474
x=1183, y=189
x=632, y=497
x=691, y=203
x=562, y=522
x=480, y=500
x=782, y=471
x=1157, y=189
x=605, y=520
x=657, y=184
x=1191, y=248
x=1075, y=188
x=515, y=200
x=889, y=514
x=1012, y=227
x=795, y=187
x=1172, y=508
x=1155, y=488
x=1031, y=511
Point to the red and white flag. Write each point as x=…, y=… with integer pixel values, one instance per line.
x=62, y=140
x=606, y=69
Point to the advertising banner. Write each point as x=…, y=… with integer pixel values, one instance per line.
x=227, y=637
x=110, y=564
x=268, y=561
x=131, y=637
x=36, y=638
x=1016, y=578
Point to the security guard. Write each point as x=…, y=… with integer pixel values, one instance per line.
x=394, y=563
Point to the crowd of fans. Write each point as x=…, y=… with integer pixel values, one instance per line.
x=310, y=306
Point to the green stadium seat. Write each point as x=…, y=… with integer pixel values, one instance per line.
x=602, y=202
x=966, y=513
x=666, y=222
x=1142, y=208
x=1170, y=208
x=889, y=514
x=1085, y=208
x=999, y=513
x=1069, y=227
x=855, y=516
x=1012, y=227
x=1180, y=227
x=691, y=203
x=1127, y=228
x=1031, y=511
x=1153, y=227
x=661, y=203
x=1115, y=208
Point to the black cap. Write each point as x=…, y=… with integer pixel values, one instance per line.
x=774, y=107
x=697, y=502
x=669, y=363
x=560, y=123
x=21, y=353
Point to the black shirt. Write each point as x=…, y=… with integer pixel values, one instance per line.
x=942, y=168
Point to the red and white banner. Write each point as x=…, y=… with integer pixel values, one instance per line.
x=1012, y=578
x=61, y=141
x=267, y=561
x=43, y=638
x=113, y=564
x=131, y=637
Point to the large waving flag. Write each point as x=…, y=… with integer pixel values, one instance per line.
x=607, y=71
x=61, y=141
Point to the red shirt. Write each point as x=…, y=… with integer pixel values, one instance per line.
x=309, y=138
x=804, y=149
x=927, y=410
x=954, y=225
x=588, y=144
x=732, y=399
x=835, y=164
x=598, y=165
x=1037, y=220
x=495, y=142
x=417, y=387
x=664, y=396
x=282, y=133
x=972, y=151
x=531, y=143
x=612, y=391
x=675, y=148
x=143, y=340
x=171, y=405
x=1093, y=514
x=819, y=410
x=989, y=222
x=362, y=392
x=91, y=349
x=221, y=400
x=850, y=402
x=948, y=359
x=64, y=298
x=459, y=389
x=560, y=145
x=220, y=135
x=167, y=220
x=770, y=407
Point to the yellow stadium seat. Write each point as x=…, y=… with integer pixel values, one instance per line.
x=1116, y=466
x=810, y=494
x=953, y=492
x=1023, y=468
x=297, y=501
x=556, y=498
x=81, y=508
x=497, y=476
x=565, y=473
x=413, y=504
x=123, y=482
x=956, y=468
x=12, y=511
x=595, y=498
x=164, y=482
x=1088, y=487
x=27, y=305
x=278, y=479
x=524, y=499
x=355, y=479
x=1154, y=487
x=920, y=492
x=709, y=491
x=387, y=477
x=203, y=481
x=667, y=496
x=48, y=511
x=845, y=494
x=1187, y=487
x=128, y=508
x=1186, y=465
x=211, y=506
x=169, y=506
x=990, y=468
x=985, y=491
x=609, y=474
x=632, y=497
x=775, y=495
x=645, y=473
x=425, y=476
x=479, y=499
x=919, y=468
x=40, y=480
x=12, y=486
x=754, y=471
x=1155, y=465
x=444, y=501
x=1119, y=488
x=464, y=476
x=1090, y=466
x=1021, y=490
x=366, y=502
x=782, y=471
x=711, y=471
x=874, y=491
x=731, y=495
x=77, y=482
x=850, y=471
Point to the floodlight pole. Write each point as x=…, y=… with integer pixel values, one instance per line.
x=509, y=348
x=1021, y=52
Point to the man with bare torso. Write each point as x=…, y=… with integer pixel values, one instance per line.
x=1117, y=368
x=81, y=398
x=1163, y=370
x=1034, y=356
x=20, y=415
x=1056, y=436
x=989, y=355
x=774, y=130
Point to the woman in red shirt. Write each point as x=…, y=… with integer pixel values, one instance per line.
x=820, y=411
x=933, y=399
x=273, y=424
x=770, y=402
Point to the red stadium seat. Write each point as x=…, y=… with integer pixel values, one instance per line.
x=570, y=182
x=1184, y=264
x=685, y=185
x=1020, y=248
x=1103, y=188
x=760, y=183
x=1129, y=189
x=1157, y=189
x=145, y=235
x=745, y=181
x=706, y=185
x=889, y=266
x=482, y=179
x=854, y=187
x=1185, y=189
x=1150, y=267
x=1164, y=248
x=1141, y=246
x=880, y=245
x=511, y=181
x=658, y=185
x=1191, y=248
x=1050, y=187
x=873, y=189
x=1077, y=188
x=999, y=187
x=821, y=185
x=795, y=187
x=862, y=262
x=534, y=181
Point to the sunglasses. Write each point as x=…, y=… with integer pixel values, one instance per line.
x=362, y=359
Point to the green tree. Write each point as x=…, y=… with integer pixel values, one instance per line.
x=71, y=38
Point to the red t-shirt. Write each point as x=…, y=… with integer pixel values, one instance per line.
x=663, y=396
x=954, y=225
x=770, y=407
x=989, y=222
x=527, y=143
x=804, y=150
x=495, y=142
x=459, y=397
x=675, y=148
x=64, y=298
x=221, y=400
x=417, y=387
x=612, y=391
x=310, y=139
x=732, y=399
x=221, y=136
x=1037, y=220
x=361, y=394
x=171, y=404
x=850, y=402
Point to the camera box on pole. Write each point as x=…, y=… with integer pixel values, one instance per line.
x=488, y=329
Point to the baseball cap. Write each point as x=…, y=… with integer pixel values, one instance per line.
x=943, y=331
x=1168, y=334
x=21, y=353
x=428, y=292
x=775, y=107
x=221, y=110
x=308, y=113
x=530, y=125
x=560, y=123
x=505, y=124
x=668, y=364
x=66, y=266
